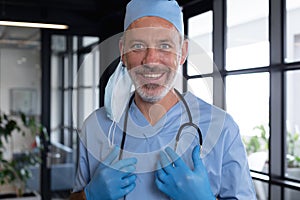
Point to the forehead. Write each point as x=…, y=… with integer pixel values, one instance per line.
x=152, y=28
x=151, y=21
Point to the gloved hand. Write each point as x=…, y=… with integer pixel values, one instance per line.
x=178, y=181
x=112, y=181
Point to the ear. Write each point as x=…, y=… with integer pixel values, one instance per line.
x=184, y=51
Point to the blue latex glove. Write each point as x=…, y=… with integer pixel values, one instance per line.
x=178, y=181
x=112, y=180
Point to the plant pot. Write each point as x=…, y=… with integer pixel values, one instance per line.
x=26, y=196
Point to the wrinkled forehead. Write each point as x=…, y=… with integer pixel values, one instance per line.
x=152, y=34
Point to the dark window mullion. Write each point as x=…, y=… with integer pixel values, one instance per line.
x=45, y=172
x=61, y=68
x=219, y=50
x=70, y=86
x=277, y=133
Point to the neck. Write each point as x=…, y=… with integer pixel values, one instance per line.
x=154, y=111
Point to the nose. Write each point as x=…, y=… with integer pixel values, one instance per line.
x=151, y=56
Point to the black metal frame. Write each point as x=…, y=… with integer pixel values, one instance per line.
x=46, y=96
x=45, y=114
x=277, y=68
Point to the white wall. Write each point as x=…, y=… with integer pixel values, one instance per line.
x=19, y=68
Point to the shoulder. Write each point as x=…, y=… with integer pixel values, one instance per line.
x=95, y=122
x=98, y=115
x=217, y=126
x=209, y=111
x=93, y=134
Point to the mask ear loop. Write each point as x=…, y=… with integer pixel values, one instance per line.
x=113, y=133
x=111, y=129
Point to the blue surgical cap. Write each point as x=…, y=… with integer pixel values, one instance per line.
x=166, y=9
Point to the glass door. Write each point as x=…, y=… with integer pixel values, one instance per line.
x=74, y=95
x=20, y=94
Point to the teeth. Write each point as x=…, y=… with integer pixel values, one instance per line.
x=152, y=75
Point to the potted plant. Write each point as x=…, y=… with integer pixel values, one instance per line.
x=292, y=157
x=15, y=170
x=257, y=147
x=260, y=142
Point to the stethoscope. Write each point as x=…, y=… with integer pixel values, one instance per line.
x=187, y=124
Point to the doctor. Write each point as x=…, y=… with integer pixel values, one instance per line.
x=147, y=143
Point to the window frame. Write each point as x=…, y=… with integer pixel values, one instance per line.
x=277, y=68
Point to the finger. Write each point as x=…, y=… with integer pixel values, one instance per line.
x=162, y=187
x=198, y=165
x=166, y=164
x=159, y=184
x=111, y=156
x=159, y=167
x=128, y=169
x=128, y=180
x=128, y=189
x=178, y=162
x=124, y=163
x=160, y=173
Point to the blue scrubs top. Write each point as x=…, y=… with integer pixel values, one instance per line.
x=223, y=152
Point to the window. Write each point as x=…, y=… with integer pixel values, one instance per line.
x=200, y=56
x=247, y=34
x=202, y=87
x=75, y=90
x=293, y=124
x=247, y=81
x=247, y=98
x=74, y=95
x=292, y=31
x=247, y=95
x=200, y=36
x=89, y=76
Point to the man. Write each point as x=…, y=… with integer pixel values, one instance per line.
x=149, y=146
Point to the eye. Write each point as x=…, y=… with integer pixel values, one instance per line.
x=165, y=46
x=138, y=47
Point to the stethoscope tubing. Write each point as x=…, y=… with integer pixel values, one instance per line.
x=190, y=123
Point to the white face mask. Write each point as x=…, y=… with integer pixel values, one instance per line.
x=117, y=93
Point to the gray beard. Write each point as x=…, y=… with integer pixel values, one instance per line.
x=152, y=99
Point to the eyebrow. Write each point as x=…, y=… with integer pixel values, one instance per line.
x=166, y=40
x=135, y=40
x=143, y=41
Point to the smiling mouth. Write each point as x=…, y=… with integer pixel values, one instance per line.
x=152, y=75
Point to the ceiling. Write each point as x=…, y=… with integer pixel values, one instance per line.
x=47, y=10
x=88, y=17
x=15, y=37
x=71, y=12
